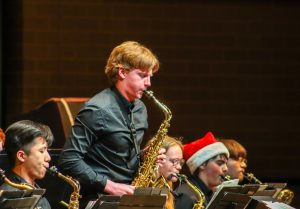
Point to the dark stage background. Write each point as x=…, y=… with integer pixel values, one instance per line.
x=230, y=67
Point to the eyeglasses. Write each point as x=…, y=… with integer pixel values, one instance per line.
x=177, y=161
x=240, y=159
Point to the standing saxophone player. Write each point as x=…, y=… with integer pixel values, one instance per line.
x=103, y=150
x=26, y=146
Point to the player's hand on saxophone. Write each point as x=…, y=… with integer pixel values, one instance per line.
x=119, y=189
x=161, y=157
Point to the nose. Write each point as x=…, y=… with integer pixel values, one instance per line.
x=47, y=157
x=178, y=166
x=148, y=81
x=224, y=168
x=244, y=165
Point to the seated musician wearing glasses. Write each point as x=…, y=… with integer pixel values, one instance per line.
x=237, y=162
x=26, y=145
x=206, y=159
x=172, y=166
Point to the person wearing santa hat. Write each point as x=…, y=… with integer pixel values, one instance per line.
x=206, y=159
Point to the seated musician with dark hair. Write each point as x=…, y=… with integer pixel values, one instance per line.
x=206, y=159
x=26, y=145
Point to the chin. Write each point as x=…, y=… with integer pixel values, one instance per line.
x=174, y=179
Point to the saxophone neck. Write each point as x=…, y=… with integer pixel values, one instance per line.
x=22, y=186
x=201, y=196
x=74, y=183
x=163, y=107
x=251, y=178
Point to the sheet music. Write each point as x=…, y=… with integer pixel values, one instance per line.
x=277, y=205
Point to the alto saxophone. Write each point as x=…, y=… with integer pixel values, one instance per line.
x=284, y=195
x=22, y=186
x=200, y=196
x=74, y=198
x=147, y=172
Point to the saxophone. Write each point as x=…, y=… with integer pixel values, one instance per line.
x=200, y=196
x=286, y=196
x=147, y=172
x=22, y=186
x=74, y=198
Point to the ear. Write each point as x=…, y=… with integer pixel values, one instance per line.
x=21, y=156
x=202, y=167
x=121, y=73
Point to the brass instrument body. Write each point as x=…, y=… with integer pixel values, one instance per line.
x=74, y=198
x=284, y=195
x=200, y=196
x=147, y=172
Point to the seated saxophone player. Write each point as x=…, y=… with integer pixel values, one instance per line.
x=237, y=161
x=171, y=168
x=103, y=150
x=26, y=146
x=206, y=159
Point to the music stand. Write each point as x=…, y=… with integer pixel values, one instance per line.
x=104, y=202
x=150, y=198
x=229, y=200
x=250, y=189
x=277, y=186
x=222, y=198
x=21, y=199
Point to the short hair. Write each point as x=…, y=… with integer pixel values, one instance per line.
x=130, y=55
x=168, y=142
x=21, y=135
x=171, y=142
x=236, y=150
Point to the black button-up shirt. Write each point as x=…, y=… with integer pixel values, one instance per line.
x=101, y=145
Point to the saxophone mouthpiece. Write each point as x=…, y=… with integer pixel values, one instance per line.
x=171, y=176
x=181, y=177
x=149, y=94
x=225, y=178
x=52, y=170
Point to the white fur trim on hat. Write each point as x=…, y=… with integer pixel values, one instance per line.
x=205, y=154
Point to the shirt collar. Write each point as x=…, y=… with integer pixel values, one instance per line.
x=128, y=105
x=207, y=192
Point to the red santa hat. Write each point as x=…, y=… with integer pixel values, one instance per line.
x=201, y=150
